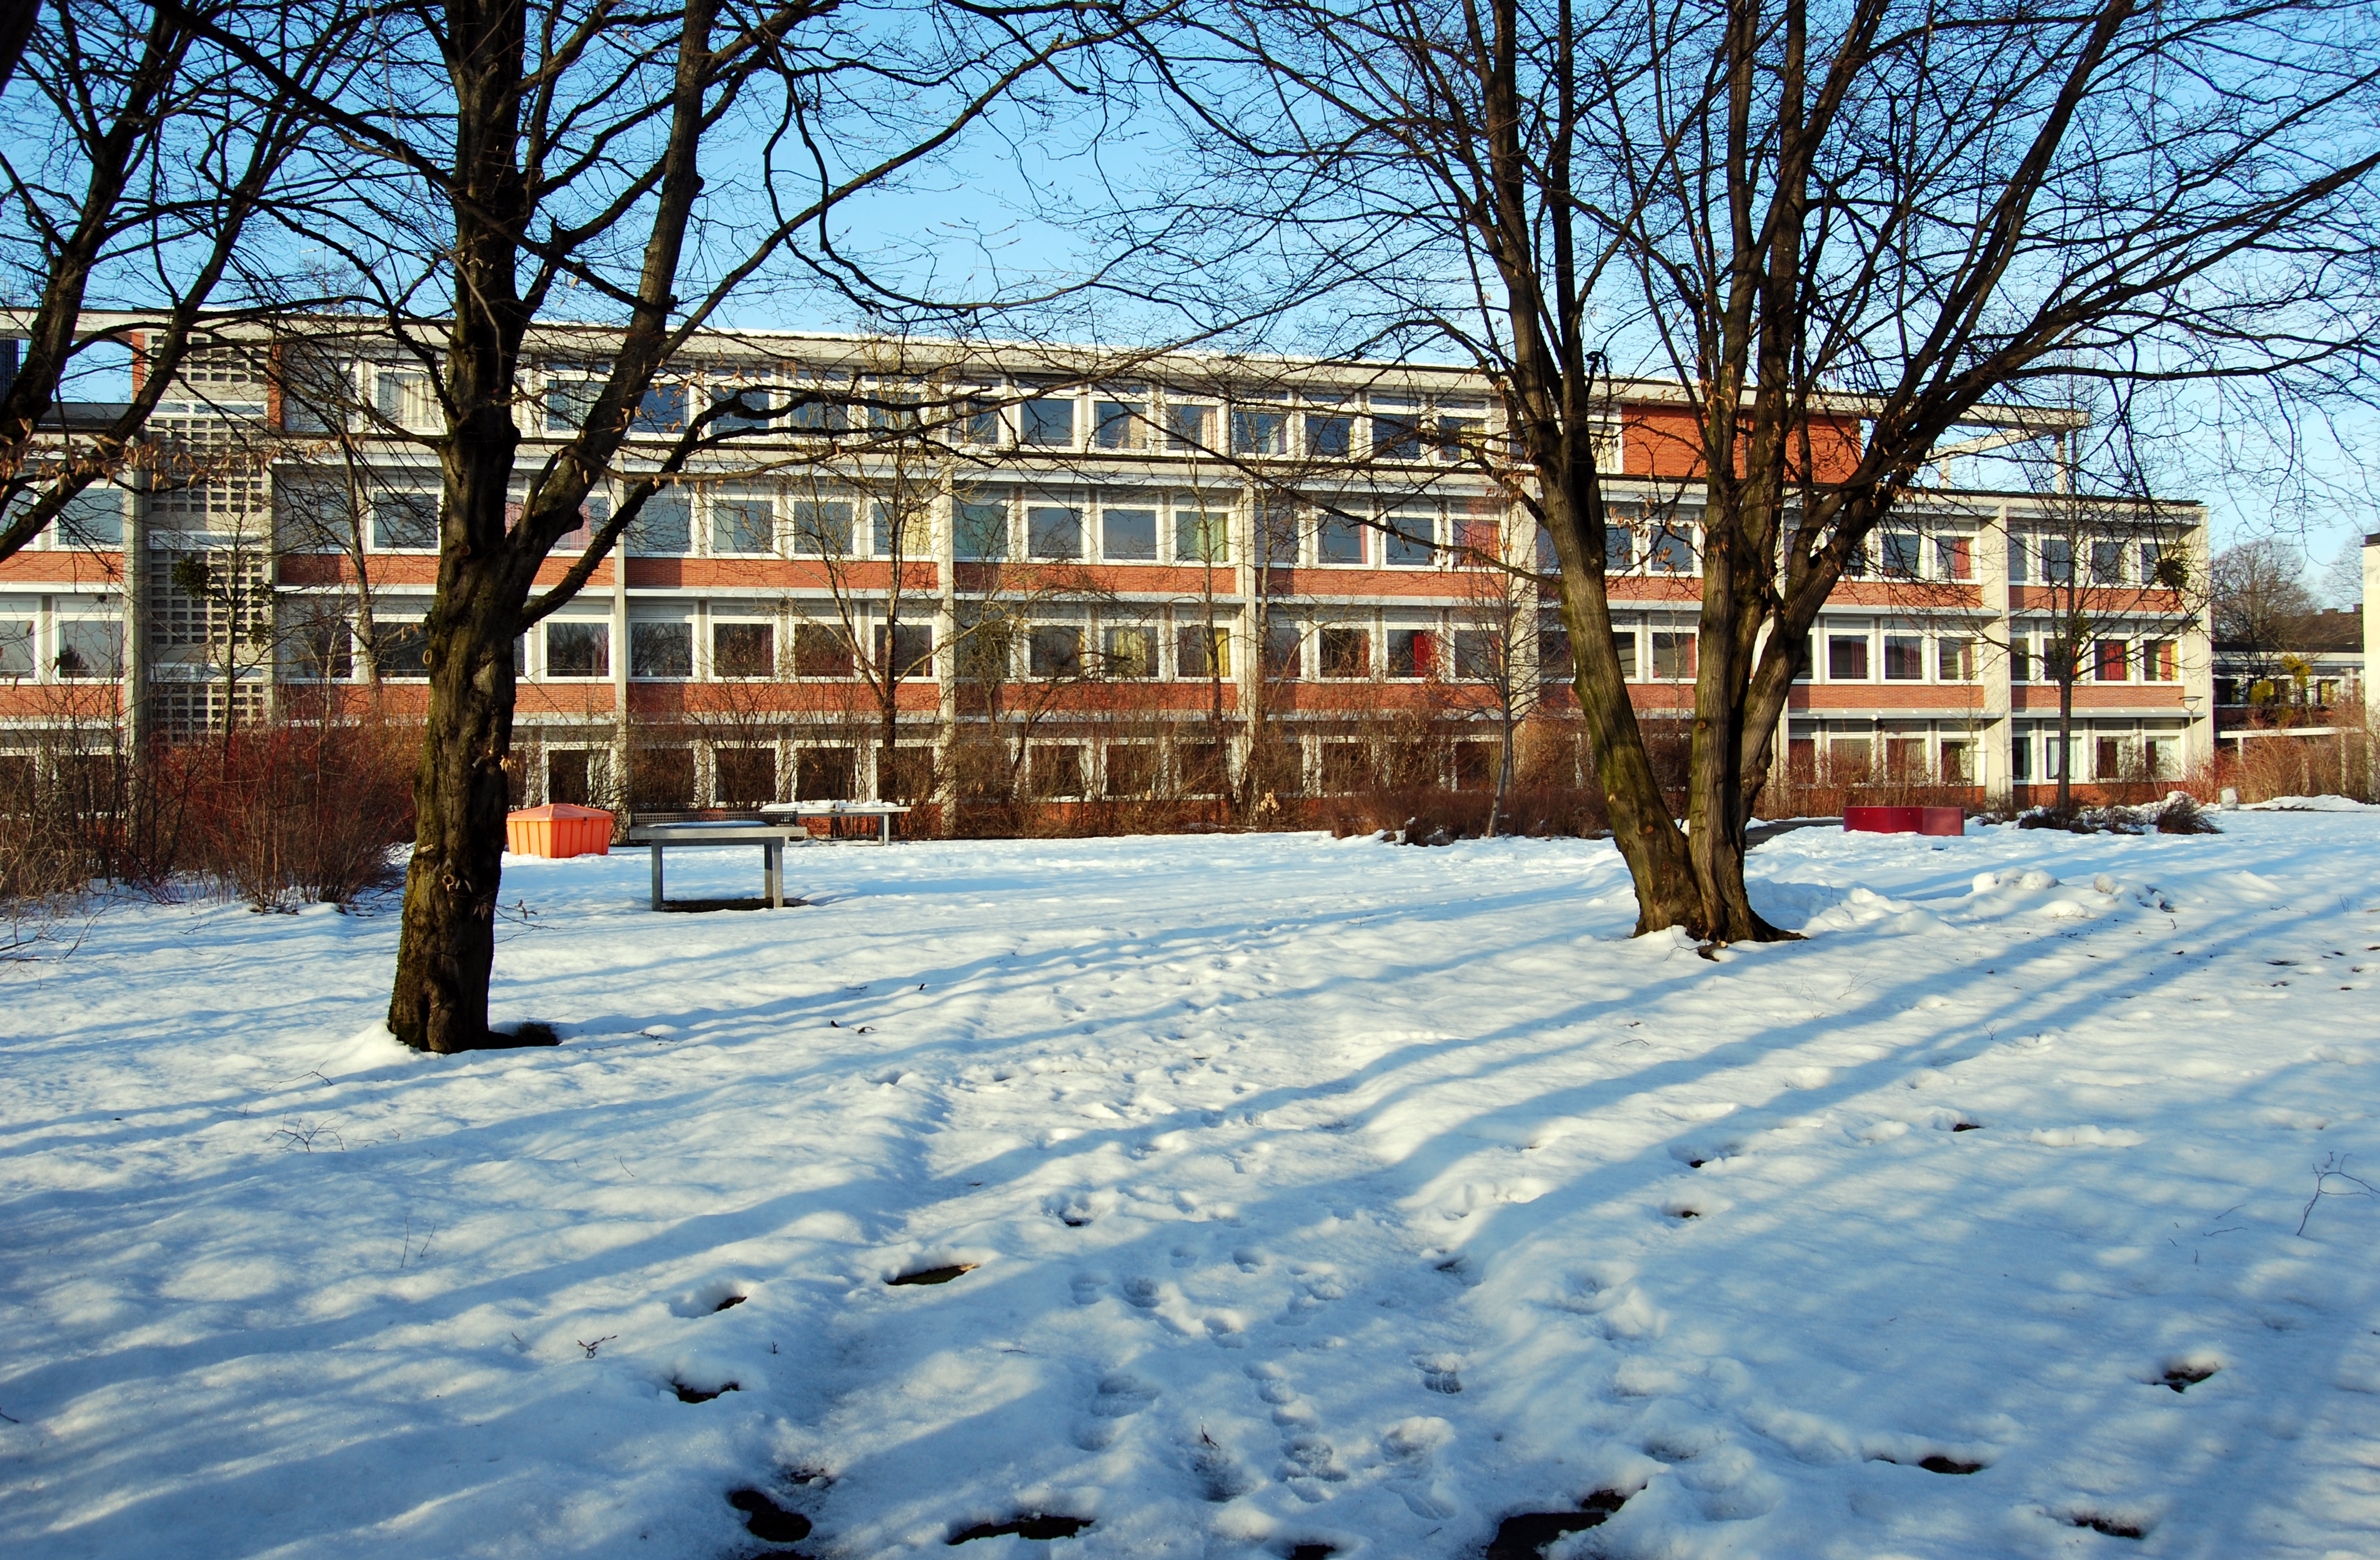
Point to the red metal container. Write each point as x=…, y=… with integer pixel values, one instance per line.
x=1949, y=821
x=559, y=830
x=1904, y=820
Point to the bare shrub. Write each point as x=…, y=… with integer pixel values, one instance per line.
x=293, y=813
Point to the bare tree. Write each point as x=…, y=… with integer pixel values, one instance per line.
x=1837, y=236
x=168, y=166
x=517, y=159
x=1495, y=657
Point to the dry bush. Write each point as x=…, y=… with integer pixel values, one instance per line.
x=293, y=811
x=2336, y=765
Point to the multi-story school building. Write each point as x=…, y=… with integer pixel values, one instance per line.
x=1123, y=577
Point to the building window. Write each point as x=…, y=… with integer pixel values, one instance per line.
x=2160, y=661
x=1116, y=425
x=743, y=649
x=1054, y=531
x=572, y=776
x=401, y=649
x=911, y=649
x=1958, y=763
x=1049, y=422
x=1347, y=766
x=1055, y=769
x=2107, y=563
x=1129, y=651
x=90, y=647
x=1619, y=549
x=1901, y=555
x=2164, y=757
x=1673, y=657
x=2021, y=757
x=1346, y=652
x=1413, y=652
x=1338, y=540
x=1624, y=649
x=1201, y=536
x=1672, y=553
x=742, y=525
x=1848, y=759
x=661, y=649
x=578, y=649
x=1410, y=540
x=1128, y=769
x=1477, y=657
x=1396, y=430
x=981, y=524
x=821, y=652
x=568, y=403
x=1847, y=657
x=901, y=529
x=2019, y=551
x=2056, y=561
x=979, y=418
x=17, y=655
x=1904, y=657
x=1259, y=432
x=1954, y=558
x=1330, y=438
x=1283, y=647
x=813, y=413
x=820, y=530
x=825, y=774
x=743, y=777
x=404, y=523
x=1190, y=429
x=2021, y=662
x=2109, y=661
x=664, y=526
x=1955, y=661
x=1202, y=650
x=1055, y=652
x=1128, y=536
x=663, y=410
x=1459, y=436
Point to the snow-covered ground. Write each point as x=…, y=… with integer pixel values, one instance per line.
x=1318, y=1193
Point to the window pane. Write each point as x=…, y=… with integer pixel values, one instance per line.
x=661, y=649
x=2111, y=660
x=1346, y=652
x=1396, y=434
x=1618, y=549
x=743, y=649
x=743, y=777
x=820, y=416
x=1955, y=661
x=820, y=651
x=2019, y=550
x=664, y=526
x=1200, y=537
x=1904, y=659
x=401, y=649
x=1259, y=432
x=1116, y=425
x=662, y=411
x=406, y=522
x=1281, y=646
x=1330, y=437
x=1554, y=659
x=2057, y=561
x=1339, y=540
x=820, y=529
x=747, y=406
x=1131, y=652
x=1671, y=554
x=2107, y=563
x=1847, y=659
x=912, y=649
x=1409, y=539
x=578, y=649
x=1673, y=656
x=1203, y=650
x=1411, y=652
x=1277, y=534
x=1901, y=554
x=90, y=647
x=982, y=528
x=1128, y=534
x=1475, y=658
x=912, y=538
x=93, y=517
x=1190, y=428
x=567, y=402
x=1055, y=771
x=1054, y=532
x=1623, y=645
x=1055, y=650
x=1049, y=422
x=1953, y=557
x=742, y=524
x=825, y=774
x=16, y=647
x=1131, y=769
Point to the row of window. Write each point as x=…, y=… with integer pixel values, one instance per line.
x=73, y=649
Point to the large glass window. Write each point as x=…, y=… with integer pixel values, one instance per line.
x=1396, y=428
x=1618, y=549
x=1129, y=651
x=661, y=649
x=90, y=647
x=743, y=649
x=1201, y=536
x=1901, y=555
x=2020, y=558
x=1284, y=651
x=822, y=529
x=1673, y=657
x=1955, y=661
x=911, y=649
x=1128, y=536
x=1413, y=652
x=1055, y=652
x=2110, y=660
x=1408, y=542
x=662, y=411
x=15, y=647
x=2107, y=563
x=1330, y=437
x=1477, y=655
x=742, y=524
x=1202, y=650
x=1190, y=428
x=1117, y=425
x=981, y=524
x=820, y=651
x=1904, y=657
x=2159, y=661
x=1277, y=534
x=1259, y=431
x=1049, y=422
x=2057, y=561
x=901, y=529
x=1346, y=652
x=578, y=649
x=568, y=403
x=1954, y=558
x=1054, y=530
x=1672, y=553
x=664, y=526
x=1338, y=539
x=93, y=517
x=1847, y=657
x=401, y=649
x=404, y=523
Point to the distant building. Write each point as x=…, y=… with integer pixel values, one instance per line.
x=1186, y=561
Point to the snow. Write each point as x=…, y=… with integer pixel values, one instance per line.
x=1311, y=1192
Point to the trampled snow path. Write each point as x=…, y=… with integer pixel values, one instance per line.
x=1318, y=1193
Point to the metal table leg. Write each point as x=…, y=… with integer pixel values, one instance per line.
x=884, y=822
x=657, y=874
x=773, y=854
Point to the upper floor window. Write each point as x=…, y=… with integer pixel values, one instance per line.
x=1901, y=555
x=663, y=410
x=2107, y=563
x=1201, y=536
x=1346, y=653
x=1331, y=436
x=1396, y=428
x=1954, y=558
x=1118, y=425
x=2110, y=660
x=664, y=526
x=980, y=524
x=1048, y=422
x=1847, y=657
x=1338, y=539
x=404, y=523
x=1189, y=430
x=1259, y=431
x=1054, y=531
x=578, y=649
x=1410, y=540
x=743, y=523
x=1904, y=657
x=1672, y=553
x=1128, y=536
x=2056, y=561
x=822, y=529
